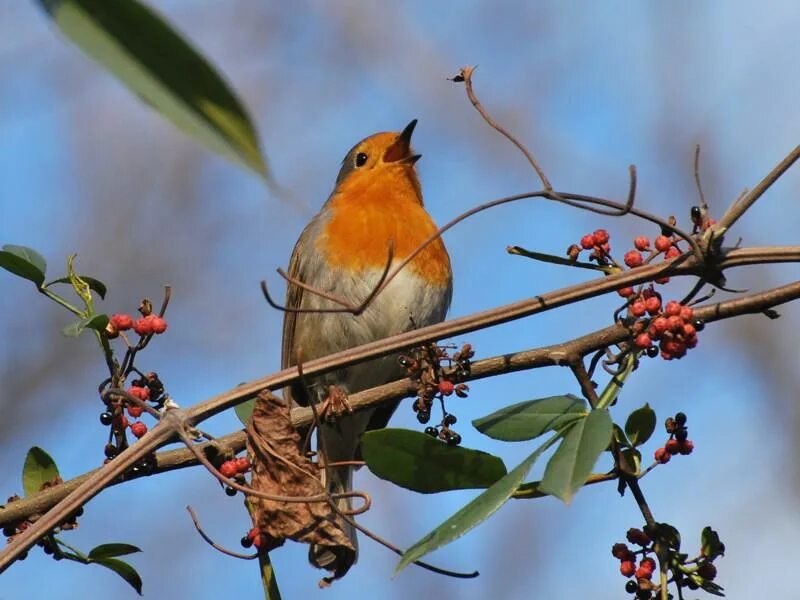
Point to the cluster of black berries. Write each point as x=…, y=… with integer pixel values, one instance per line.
x=678, y=442
x=47, y=543
x=438, y=374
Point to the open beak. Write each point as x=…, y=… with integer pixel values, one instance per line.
x=400, y=150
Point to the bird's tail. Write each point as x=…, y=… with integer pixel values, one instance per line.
x=338, y=559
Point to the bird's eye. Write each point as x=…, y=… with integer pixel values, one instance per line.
x=361, y=159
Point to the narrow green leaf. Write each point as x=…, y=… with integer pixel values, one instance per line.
x=157, y=64
x=39, y=468
x=112, y=550
x=530, y=419
x=95, y=285
x=244, y=410
x=124, y=570
x=474, y=513
x=97, y=322
x=571, y=464
x=23, y=262
x=640, y=425
x=419, y=462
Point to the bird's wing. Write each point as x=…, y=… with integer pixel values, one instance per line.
x=299, y=268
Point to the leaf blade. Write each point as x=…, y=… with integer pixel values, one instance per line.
x=157, y=64
x=418, y=462
x=475, y=512
x=568, y=468
x=640, y=425
x=95, y=285
x=124, y=570
x=530, y=419
x=23, y=262
x=111, y=550
x=39, y=468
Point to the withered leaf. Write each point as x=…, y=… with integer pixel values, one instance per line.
x=279, y=468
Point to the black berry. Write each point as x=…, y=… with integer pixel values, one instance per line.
x=230, y=491
x=106, y=418
x=680, y=419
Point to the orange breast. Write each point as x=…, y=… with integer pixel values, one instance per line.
x=364, y=220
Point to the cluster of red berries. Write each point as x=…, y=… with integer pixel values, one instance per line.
x=438, y=374
x=597, y=242
x=234, y=467
x=672, y=325
x=627, y=557
x=678, y=442
x=146, y=325
x=663, y=244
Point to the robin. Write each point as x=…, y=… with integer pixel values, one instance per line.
x=376, y=201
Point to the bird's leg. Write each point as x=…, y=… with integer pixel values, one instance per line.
x=335, y=404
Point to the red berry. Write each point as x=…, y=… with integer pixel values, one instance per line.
x=588, y=242
x=620, y=551
x=627, y=568
x=643, y=340
x=638, y=308
x=648, y=563
x=672, y=253
x=135, y=411
x=446, y=387
x=143, y=326
x=601, y=237
x=662, y=280
x=653, y=304
x=142, y=393
x=689, y=330
x=644, y=573
x=121, y=322
x=662, y=456
x=637, y=536
x=666, y=355
x=673, y=446
x=673, y=308
x=228, y=469
x=691, y=342
x=660, y=324
x=120, y=422
x=675, y=324
x=606, y=248
x=687, y=446
x=663, y=243
x=625, y=292
x=687, y=313
x=158, y=324
x=641, y=243
x=633, y=258
x=138, y=429
x=242, y=464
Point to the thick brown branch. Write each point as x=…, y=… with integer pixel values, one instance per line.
x=518, y=361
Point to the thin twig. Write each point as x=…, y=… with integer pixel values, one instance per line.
x=212, y=543
x=466, y=75
x=703, y=205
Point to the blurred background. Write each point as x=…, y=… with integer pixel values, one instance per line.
x=590, y=87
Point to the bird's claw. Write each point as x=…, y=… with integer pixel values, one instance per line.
x=335, y=405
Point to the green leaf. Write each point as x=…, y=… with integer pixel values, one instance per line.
x=157, y=64
x=474, y=513
x=710, y=544
x=621, y=438
x=111, y=550
x=419, y=462
x=97, y=322
x=124, y=570
x=633, y=458
x=39, y=468
x=244, y=410
x=23, y=262
x=530, y=419
x=95, y=285
x=572, y=463
x=640, y=425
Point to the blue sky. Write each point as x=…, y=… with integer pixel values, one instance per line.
x=591, y=88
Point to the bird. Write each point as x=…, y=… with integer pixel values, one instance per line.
x=376, y=204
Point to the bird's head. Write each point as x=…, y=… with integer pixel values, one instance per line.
x=383, y=159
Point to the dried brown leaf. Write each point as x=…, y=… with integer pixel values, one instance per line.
x=279, y=468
